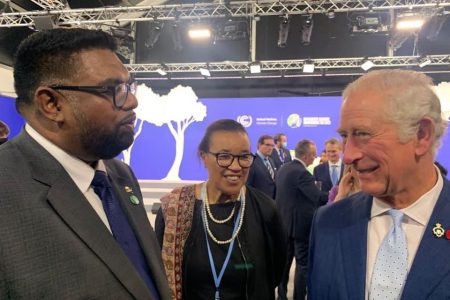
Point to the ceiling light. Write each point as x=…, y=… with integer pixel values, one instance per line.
x=161, y=72
x=367, y=65
x=255, y=68
x=205, y=72
x=283, y=31
x=425, y=61
x=308, y=67
x=331, y=14
x=200, y=32
x=409, y=22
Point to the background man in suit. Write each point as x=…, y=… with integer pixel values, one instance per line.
x=332, y=170
x=391, y=126
x=280, y=153
x=262, y=172
x=72, y=220
x=4, y=132
x=297, y=199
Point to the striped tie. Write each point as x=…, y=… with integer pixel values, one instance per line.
x=269, y=167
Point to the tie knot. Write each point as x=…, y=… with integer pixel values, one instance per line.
x=100, y=179
x=334, y=166
x=397, y=216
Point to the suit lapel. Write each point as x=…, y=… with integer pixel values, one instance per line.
x=141, y=226
x=432, y=262
x=353, y=238
x=82, y=219
x=328, y=177
x=76, y=212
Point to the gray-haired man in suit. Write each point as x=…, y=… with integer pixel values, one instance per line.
x=64, y=235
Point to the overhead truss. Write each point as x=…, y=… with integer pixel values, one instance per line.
x=91, y=16
x=284, y=65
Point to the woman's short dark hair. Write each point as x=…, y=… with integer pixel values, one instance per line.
x=219, y=125
x=47, y=57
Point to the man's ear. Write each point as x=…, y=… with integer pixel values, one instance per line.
x=425, y=136
x=48, y=103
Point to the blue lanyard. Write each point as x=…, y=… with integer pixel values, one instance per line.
x=218, y=279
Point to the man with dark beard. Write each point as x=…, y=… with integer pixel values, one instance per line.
x=72, y=220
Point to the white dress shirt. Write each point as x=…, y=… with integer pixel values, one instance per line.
x=80, y=172
x=338, y=165
x=415, y=221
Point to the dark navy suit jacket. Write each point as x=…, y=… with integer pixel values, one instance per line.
x=275, y=155
x=297, y=198
x=338, y=252
x=259, y=177
x=322, y=173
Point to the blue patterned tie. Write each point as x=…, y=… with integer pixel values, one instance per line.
x=282, y=155
x=269, y=167
x=334, y=175
x=121, y=229
x=391, y=264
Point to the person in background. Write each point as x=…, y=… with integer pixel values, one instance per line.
x=263, y=171
x=222, y=239
x=331, y=171
x=4, y=132
x=323, y=157
x=280, y=153
x=297, y=199
x=391, y=241
x=348, y=185
x=72, y=219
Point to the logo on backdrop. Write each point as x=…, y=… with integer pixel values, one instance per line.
x=245, y=120
x=294, y=121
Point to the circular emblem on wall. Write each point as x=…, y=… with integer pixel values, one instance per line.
x=294, y=121
x=245, y=120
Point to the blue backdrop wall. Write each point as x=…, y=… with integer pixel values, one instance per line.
x=154, y=150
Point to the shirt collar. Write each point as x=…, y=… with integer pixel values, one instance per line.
x=421, y=210
x=338, y=163
x=301, y=161
x=80, y=172
x=262, y=156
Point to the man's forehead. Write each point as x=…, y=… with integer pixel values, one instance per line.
x=111, y=68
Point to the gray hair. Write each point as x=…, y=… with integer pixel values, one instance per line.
x=333, y=141
x=303, y=147
x=409, y=97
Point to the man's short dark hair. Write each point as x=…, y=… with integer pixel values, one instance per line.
x=264, y=137
x=302, y=148
x=277, y=137
x=47, y=57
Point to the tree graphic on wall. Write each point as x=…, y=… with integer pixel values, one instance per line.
x=177, y=110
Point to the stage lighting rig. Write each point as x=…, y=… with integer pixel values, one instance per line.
x=369, y=22
x=283, y=31
x=307, y=26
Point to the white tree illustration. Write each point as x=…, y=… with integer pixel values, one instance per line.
x=148, y=104
x=177, y=110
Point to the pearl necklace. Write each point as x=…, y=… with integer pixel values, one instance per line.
x=208, y=210
x=205, y=218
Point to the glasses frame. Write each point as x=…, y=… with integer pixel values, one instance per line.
x=238, y=157
x=100, y=89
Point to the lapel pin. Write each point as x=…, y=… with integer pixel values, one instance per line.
x=438, y=231
x=128, y=189
x=134, y=200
